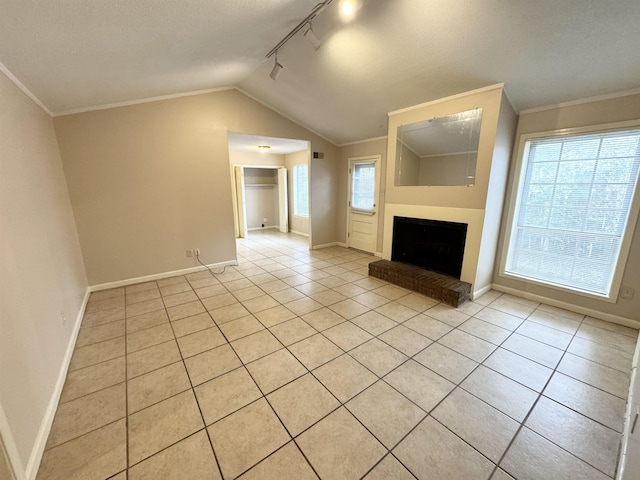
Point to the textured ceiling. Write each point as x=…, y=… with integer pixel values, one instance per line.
x=79, y=54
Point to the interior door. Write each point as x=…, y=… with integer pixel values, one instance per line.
x=362, y=218
x=242, y=207
x=283, y=200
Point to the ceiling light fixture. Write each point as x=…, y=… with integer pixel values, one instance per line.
x=308, y=34
x=264, y=148
x=313, y=40
x=277, y=68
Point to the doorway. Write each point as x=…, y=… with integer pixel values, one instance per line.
x=362, y=217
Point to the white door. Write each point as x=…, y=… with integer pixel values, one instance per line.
x=362, y=218
x=283, y=200
x=242, y=207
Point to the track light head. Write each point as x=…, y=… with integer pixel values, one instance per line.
x=311, y=37
x=277, y=68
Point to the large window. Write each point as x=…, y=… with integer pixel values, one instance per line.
x=573, y=207
x=301, y=190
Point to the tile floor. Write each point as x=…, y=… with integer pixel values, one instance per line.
x=295, y=364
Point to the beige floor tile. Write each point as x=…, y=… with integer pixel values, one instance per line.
x=389, y=468
x=85, y=414
x=287, y=462
x=485, y=330
x=144, y=307
x=192, y=324
x=179, y=298
x=607, y=356
x=619, y=341
x=613, y=327
x=97, y=353
x=175, y=280
x=100, y=318
x=370, y=283
x=445, y=362
x=211, y=364
x=301, y=403
x=229, y=313
x=560, y=312
x=260, y=303
x=219, y=300
x=432, y=451
x=339, y=447
x=292, y=331
x=391, y=291
x=104, y=294
x=287, y=295
x=273, y=286
x=587, y=400
x=185, y=310
x=303, y=305
x=594, y=443
x=468, y=345
x=147, y=320
x=470, y=308
x=605, y=378
x=244, y=438
x=374, y=322
x=190, y=458
x=417, y=302
x=555, y=320
x=312, y=288
x=501, y=475
x=151, y=358
x=323, y=318
x=255, y=346
x=276, y=369
x=385, y=412
x=239, y=284
x=520, y=369
x=140, y=287
x=508, y=305
x=156, y=386
x=226, y=394
x=143, y=296
x=531, y=456
x=328, y=297
x=201, y=341
x=428, y=326
x=274, y=316
x=332, y=282
x=406, y=340
x=446, y=314
x=500, y=319
x=419, y=384
x=349, y=308
x=378, y=357
x=543, y=334
x=149, y=337
x=397, y=312
x=315, y=351
x=533, y=350
x=248, y=293
x=90, y=335
x=205, y=292
x=204, y=282
x=344, y=377
x=98, y=454
x=347, y=335
x=501, y=392
x=241, y=327
x=106, y=304
x=295, y=280
x=371, y=299
x=161, y=425
x=91, y=379
x=480, y=425
x=178, y=287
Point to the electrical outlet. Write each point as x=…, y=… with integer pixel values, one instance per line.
x=627, y=293
x=63, y=317
x=197, y=251
x=189, y=253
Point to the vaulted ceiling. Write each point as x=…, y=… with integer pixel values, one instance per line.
x=80, y=54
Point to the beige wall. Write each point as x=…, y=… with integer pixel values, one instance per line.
x=42, y=269
x=151, y=180
x=592, y=113
x=296, y=224
x=372, y=147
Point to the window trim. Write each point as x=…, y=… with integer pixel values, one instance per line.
x=294, y=180
x=514, y=203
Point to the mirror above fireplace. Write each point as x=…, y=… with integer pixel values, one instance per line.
x=440, y=151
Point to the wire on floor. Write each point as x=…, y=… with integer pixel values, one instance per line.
x=224, y=268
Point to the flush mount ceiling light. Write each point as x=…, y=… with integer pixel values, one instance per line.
x=348, y=8
x=265, y=148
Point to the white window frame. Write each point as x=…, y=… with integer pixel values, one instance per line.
x=296, y=206
x=514, y=204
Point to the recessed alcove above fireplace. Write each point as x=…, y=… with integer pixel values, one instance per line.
x=431, y=244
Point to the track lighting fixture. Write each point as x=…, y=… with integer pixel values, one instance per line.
x=277, y=68
x=313, y=40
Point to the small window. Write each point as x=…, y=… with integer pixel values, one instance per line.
x=572, y=209
x=363, y=185
x=301, y=190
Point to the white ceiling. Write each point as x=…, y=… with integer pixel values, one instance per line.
x=79, y=54
x=240, y=142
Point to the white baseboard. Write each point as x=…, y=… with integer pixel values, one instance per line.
x=10, y=448
x=158, y=276
x=342, y=244
x=627, y=322
x=377, y=254
x=45, y=426
x=299, y=233
x=481, y=291
x=628, y=417
x=267, y=227
x=325, y=245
